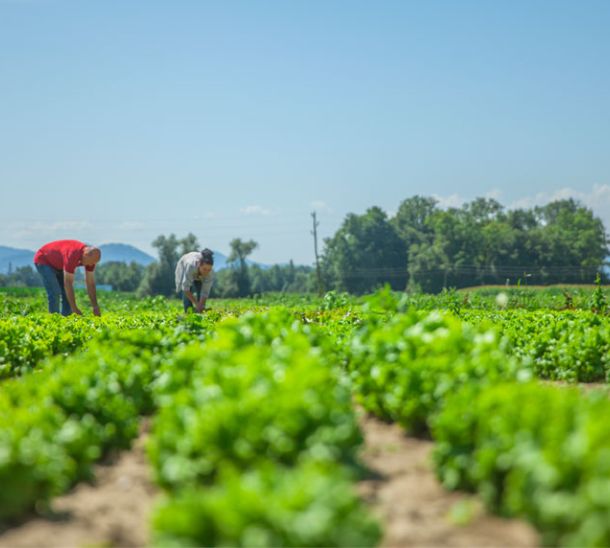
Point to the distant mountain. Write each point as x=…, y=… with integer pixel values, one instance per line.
x=124, y=253
x=11, y=257
x=220, y=260
x=127, y=253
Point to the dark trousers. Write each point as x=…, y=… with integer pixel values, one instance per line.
x=53, y=281
x=195, y=290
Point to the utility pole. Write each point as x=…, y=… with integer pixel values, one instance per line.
x=315, y=247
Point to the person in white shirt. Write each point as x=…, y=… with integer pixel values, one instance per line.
x=194, y=278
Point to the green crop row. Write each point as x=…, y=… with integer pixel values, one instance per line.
x=532, y=451
x=56, y=422
x=572, y=346
x=25, y=341
x=32, y=300
x=255, y=441
x=269, y=505
x=402, y=369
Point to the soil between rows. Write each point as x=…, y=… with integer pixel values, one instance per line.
x=403, y=492
x=415, y=509
x=111, y=512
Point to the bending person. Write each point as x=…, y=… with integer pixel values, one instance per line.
x=56, y=263
x=194, y=278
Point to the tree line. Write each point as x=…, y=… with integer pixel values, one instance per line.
x=240, y=279
x=422, y=247
x=427, y=248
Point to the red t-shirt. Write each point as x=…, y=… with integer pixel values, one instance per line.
x=62, y=255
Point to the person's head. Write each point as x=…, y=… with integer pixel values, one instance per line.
x=206, y=262
x=91, y=255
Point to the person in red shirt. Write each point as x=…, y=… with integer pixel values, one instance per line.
x=56, y=263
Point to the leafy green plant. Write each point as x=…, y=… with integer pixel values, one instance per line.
x=269, y=505
x=256, y=440
x=554, y=471
x=599, y=304
x=403, y=370
x=56, y=423
x=334, y=299
x=571, y=346
x=256, y=391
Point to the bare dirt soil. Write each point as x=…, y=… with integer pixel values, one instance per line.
x=112, y=512
x=586, y=386
x=413, y=507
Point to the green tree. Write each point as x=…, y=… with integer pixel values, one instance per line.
x=481, y=211
x=572, y=241
x=239, y=274
x=412, y=220
x=443, y=260
x=412, y=223
x=121, y=276
x=429, y=268
x=23, y=276
x=481, y=244
x=282, y=278
x=365, y=253
x=159, y=276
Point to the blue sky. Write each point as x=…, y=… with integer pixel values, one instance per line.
x=122, y=120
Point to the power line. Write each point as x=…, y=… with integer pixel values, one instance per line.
x=470, y=270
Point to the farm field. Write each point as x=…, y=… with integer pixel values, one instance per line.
x=302, y=421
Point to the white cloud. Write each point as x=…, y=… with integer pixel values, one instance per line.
x=542, y=198
x=319, y=205
x=255, y=210
x=599, y=196
x=494, y=194
x=597, y=199
x=25, y=230
x=454, y=200
x=32, y=234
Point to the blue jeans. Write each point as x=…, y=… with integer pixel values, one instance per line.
x=53, y=281
x=195, y=290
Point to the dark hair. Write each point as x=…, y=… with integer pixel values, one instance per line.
x=207, y=256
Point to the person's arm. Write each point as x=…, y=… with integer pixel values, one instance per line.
x=201, y=305
x=191, y=297
x=69, y=287
x=91, y=291
x=205, y=291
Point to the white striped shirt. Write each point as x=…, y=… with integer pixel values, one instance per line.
x=187, y=272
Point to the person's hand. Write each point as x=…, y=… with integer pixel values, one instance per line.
x=96, y=311
x=77, y=311
x=200, y=308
